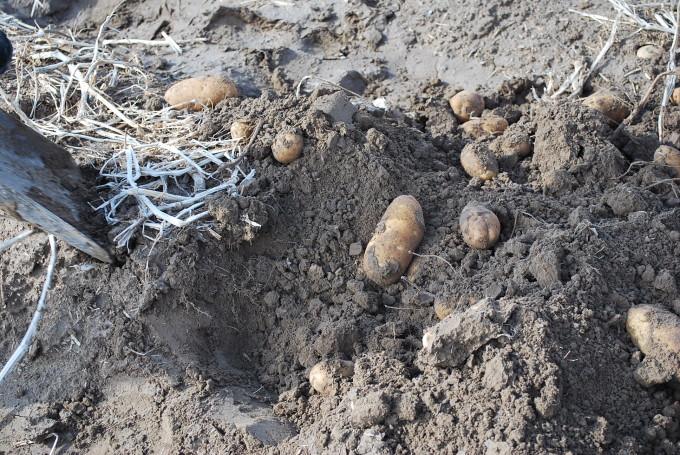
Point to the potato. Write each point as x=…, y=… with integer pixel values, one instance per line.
x=649, y=52
x=517, y=144
x=610, y=104
x=467, y=104
x=656, y=331
x=478, y=161
x=287, y=146
x=415, y=270
x=398, y=234
x=670, y=157
x=479, y=225
x=241, y=130
x=207, y=90
x=324, y=375
x=675, y=96
x=444, y=306
x=489, y=126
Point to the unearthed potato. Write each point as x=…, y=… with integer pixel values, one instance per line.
x=649, y=52
x=479, y=225
x=241, y=130
x=324, y=375
x=479, y=161
x=610, y=104
x=206, y=90
x=675, y=96
x=415, y=269
x=287, y=147
x=467, y=104
x=668, y=156
x=656, y=331
x=489, y=126
x=518, y=144
x=397, y=235
x=444, y=306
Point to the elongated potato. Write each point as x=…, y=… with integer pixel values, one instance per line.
x=397, y=235
x=479, y=225
x=656, y=331
x=479, y=161
x=489, y=126
x=206, y=90
x=324, y=375
x=610, y=104
x=287, y=146
x=467, y=104
x=668, y=156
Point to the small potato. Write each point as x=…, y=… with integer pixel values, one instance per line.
x=649, y=52
x=479, y=161
x=207, y=91
x=399, y=232
x=467, y=104
x=656, y=331
x=241, y=130
x=479, y=225
x=670, y=157
x=416, y=268
x=324, y=375
x=610, y=104
x=489, y=126
x=444, y=306
x=517, y=144
x=675, y=96
x=287, y=147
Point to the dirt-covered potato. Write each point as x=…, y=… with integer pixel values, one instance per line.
x=675, y=96
x=287, y=146
x=324, y=375
x=656, y=331
x=398, y=234
x=488, y=126
x=206, y=90
x=467, y=104
x=479, y=161
x=241, y=130
x=444, y=306
x=517, y=144
x=668, y=156
x=649, y=52
x=610, y=104
x=479, y=225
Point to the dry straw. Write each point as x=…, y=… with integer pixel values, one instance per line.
x=156, y=169
x=661, y=17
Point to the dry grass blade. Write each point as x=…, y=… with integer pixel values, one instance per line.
x=25, y=344
x=89, y=97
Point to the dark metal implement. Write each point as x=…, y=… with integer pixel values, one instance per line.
x=41, y=184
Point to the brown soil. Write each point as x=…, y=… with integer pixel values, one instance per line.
x=199, y=345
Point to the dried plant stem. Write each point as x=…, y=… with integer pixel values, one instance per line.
x=156, y=171
x=33, y=327
x=12, y=241
x=670, y=80
x=628, y=120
